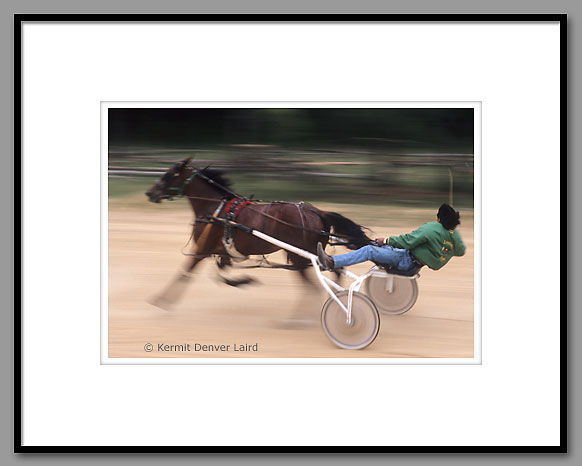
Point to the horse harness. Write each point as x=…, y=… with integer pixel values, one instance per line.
x=235, y=206
x=232, y=210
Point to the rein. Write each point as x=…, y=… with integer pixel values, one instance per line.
x=337, y=236
x=249, y=207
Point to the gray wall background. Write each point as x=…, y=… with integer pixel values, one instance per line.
x=7, y=197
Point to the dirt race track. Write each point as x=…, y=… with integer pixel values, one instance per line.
x=145, y=245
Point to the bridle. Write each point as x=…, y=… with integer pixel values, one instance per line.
x=180, y=189
x=196, y=172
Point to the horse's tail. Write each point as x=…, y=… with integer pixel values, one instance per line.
x=352, y=233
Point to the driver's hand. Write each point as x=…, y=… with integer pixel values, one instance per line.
x=380, y=241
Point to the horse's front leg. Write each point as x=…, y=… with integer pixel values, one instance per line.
x=205, y=245
x=175, y=289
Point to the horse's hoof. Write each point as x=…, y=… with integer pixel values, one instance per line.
x=240, y=281
x=161, y=303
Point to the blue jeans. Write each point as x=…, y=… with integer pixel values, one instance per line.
x=397, y=258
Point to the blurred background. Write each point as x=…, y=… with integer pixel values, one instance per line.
x=394, y=156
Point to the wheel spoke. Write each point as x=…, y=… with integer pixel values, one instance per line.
x=402, y=296
x=363, y=328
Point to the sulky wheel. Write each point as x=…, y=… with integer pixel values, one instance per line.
x=363, y=328
x=392, y=294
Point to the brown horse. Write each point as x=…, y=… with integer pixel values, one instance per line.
x=299, y=224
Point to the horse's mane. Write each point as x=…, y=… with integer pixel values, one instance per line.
x=217, y=176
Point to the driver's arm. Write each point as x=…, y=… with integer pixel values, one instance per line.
x=409, y=240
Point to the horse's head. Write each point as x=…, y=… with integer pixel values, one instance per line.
x=172, y=183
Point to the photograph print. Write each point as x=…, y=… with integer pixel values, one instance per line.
x=291, y=233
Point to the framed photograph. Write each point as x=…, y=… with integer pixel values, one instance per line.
x=285, y=218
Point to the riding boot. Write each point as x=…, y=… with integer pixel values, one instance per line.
x=325, y=260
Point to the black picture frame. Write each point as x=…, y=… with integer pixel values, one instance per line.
x=19, y=19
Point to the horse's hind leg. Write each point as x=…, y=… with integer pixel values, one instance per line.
x=306, y=309
x=338, y=277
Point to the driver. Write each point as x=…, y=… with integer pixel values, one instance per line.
x=432, y=244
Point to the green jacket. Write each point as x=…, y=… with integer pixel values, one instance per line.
x=432, y=244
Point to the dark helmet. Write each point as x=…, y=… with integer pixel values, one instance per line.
x=449, y=217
